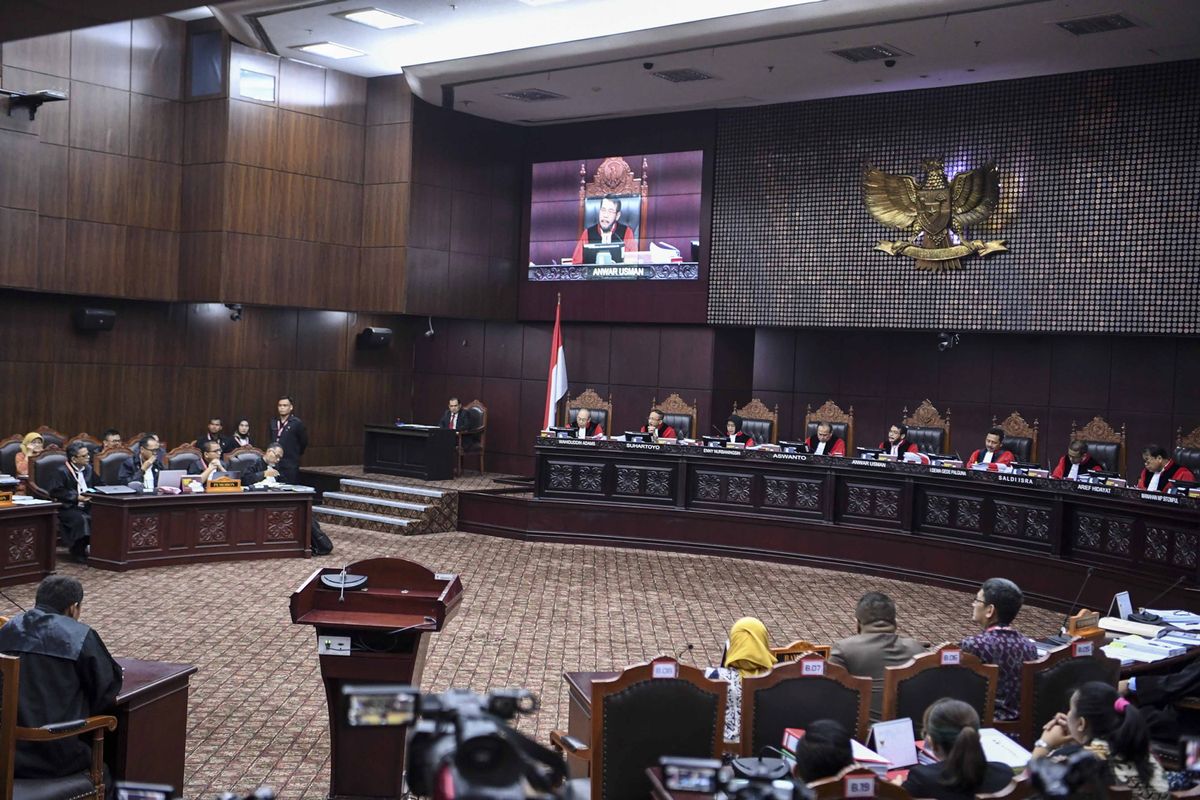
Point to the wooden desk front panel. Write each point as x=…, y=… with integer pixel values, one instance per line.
x=27, y=542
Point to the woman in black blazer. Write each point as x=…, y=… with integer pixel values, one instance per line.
x=962, y=770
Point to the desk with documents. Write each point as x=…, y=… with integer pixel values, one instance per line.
x=27, y=535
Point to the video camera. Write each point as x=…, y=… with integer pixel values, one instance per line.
x=742, y=779
x=459, y=743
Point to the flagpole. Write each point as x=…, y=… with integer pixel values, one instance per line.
x=557, y=320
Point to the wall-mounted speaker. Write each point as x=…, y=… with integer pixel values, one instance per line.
x=373, y=339
x=94, y=319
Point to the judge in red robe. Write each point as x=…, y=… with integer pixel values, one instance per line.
x=584, y=428
x=825, y=443
x=1077, y=462
x=897, y=443
x=733, y=431
x=654, y=424
x=993, y=451
x=1161, y=470
x=607, y=230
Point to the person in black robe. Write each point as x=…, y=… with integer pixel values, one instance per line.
x=265, y=467
x=69, y=485
x=66, y=674
x=1155, y=697
x=288, y=430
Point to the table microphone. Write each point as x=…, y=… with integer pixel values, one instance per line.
x=1062, y=637
x=687, y=648
x=1153, y=619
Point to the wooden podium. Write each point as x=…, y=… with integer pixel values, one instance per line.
x=368, y=762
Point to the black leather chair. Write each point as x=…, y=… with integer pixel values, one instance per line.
x=679, y=415
x=472, y=439
x=599, y=408
x=911, y=688
x=928, y=429
x=42, y=469
x=842, y=422
x=1019, y=437
x=1047, y=685
x=8, y=454
x=1104, y=443
x=107, y=464
x=1187, y=449
x=184, y=456
x=51, y=436
x=928, y=440
x=787, y=698
x=90, y=442
x=242, y=459
x=758, y=422
x=840, y=430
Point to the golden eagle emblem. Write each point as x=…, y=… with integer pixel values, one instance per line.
x=937, y=212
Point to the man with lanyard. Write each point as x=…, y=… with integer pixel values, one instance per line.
x=70, y=486
x=289, y=431
x=995, y=606
x=143, y=466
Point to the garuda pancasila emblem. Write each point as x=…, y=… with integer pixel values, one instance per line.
x=937, y=213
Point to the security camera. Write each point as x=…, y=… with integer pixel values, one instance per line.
x=647, y=65
x=946, y=341
x=891, y=62
x=235, y=311
x=429, y=331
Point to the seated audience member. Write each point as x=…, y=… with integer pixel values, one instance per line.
x=454, y=417
x=241, y=434
x=144, y=465
x=952, y=734
x=585, y=428
x=875, y=646
x=747, y=653
x=213, y=433
x=70, y=486
x=265, y=468
x=993, y=451
x=214, y=466
x=31, y=445
x=824, y=751
x=1078, y=461
x=1109, y=726
x=66, y=674
x=733, y=430
x=897, y=443
x=994, y=609
x=1155, y=696
x=111, y=438
x=1161, y=470
x=825, y=443
x=654, y=426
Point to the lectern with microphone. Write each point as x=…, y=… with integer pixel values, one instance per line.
x=372, y=619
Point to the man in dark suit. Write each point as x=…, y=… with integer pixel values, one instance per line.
x=288, y=430
x=69, y=485
x=265, y=467
x=454, y=417
x=875, y=646
x=213, y=467
x=213, y=433
x=144, y=465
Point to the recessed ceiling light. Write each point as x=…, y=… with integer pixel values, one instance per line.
x=329, y=50
x=541, y=2
x=377, y=18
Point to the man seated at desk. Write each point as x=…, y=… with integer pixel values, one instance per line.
x=110, y=438
x=607, y=230
x=876, y=646
x=143, y=466
x=733, y=431
x=584, y=428
x=1161, y=470
x=656, y=428
x=69, y=486
x=897, y=443
x=213, y=466
x=265, y=468
x=454, y=417
x=66, y=674
x=824, y=443
x=993, y=451
x=1078, y=461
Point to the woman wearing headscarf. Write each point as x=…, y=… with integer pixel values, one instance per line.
x=31, y=445
x=747, y=654
x=733, y=430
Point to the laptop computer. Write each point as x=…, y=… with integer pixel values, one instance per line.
x=171, y=478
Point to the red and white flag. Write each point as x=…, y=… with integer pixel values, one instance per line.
x=556, y=381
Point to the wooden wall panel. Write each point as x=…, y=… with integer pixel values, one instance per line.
x=382, y=279
x=295, y=204
x=346, y=97
x=53, y=171
x=250, y=199
x=159, y=49
x=98, y=187
x=389, y=100
x=155, y=128
x=339, y=212
x=385, y=215
x=102, y=55
x=253, y=131
x=301, y=87
x=200, y=259
x=299, y=144
x=99, y=118
x=203, y=197
x=52, y=255
x=49, y=54
x=388, y=153
x=154, y=194
x=151, y=263
x=205, y=131
x=18, y=256
x=342, y=152
x=19, y=170
x=95, y=258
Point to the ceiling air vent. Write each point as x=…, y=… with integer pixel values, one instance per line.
x=873, y=52
x=1101, y=24
x=533, y=95
x=685, y=75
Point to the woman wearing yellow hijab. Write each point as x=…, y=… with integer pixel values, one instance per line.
x=31, y=445
x=747, y=653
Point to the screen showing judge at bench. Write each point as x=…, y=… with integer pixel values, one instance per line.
x=634, y=217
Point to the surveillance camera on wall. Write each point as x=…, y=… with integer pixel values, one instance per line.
x=235, y=311
x=946, y=341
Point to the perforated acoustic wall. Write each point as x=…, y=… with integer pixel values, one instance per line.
x=1099, y=207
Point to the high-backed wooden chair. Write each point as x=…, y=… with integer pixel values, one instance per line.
x=1187, y=449
x=184, y=456
x=473, y=440
x=1020, y=437
x=74, y=787
x=835, y=788
x=600, y=409
x=798, y=648
x=758, y=422
x=1019, y=788
x=107, y=464
x=241, y=459
x=842, y=422
x=91, y=442
x=1048, y=682
x=637, y=718
x=42, y=468
x=51, y=436
x=615, y=177
x=678, y=414
x=786, y=697
x=911, y=688
x=928, y=428
x=1104, y=443
x=8, y=454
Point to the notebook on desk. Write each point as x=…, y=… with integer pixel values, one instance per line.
x=114, y=490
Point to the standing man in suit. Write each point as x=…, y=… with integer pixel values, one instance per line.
x=144, y=465
x=875, y=646
x=825, y=443
x=1075, y=463
x=993, y=451
x=288, y=430
x=69, y=486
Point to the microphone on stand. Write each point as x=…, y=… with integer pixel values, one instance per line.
x=1152, y=619
x=687, y=648
x=1062, y=637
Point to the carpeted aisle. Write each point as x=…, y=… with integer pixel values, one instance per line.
x=530, y=612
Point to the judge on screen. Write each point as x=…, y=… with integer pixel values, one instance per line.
x=607, y=230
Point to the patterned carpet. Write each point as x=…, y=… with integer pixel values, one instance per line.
x=530, y=612
x=470, y=481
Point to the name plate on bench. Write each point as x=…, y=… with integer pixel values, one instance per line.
x=224, y=485
x=6, y=499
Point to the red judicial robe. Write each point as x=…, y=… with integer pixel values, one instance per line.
x=1171, y=472
x=1087, y=464
x=621, y=233
x=904, y=446
x=1001, y=457
x=593, y=430
x=834, y=447
x=665, y=431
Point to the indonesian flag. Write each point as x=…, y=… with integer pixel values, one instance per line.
x=556, y=381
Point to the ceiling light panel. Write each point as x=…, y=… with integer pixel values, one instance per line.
x=377, y=18
x=329, y=50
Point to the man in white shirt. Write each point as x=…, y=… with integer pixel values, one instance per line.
x=144, y=465
x=453, y=417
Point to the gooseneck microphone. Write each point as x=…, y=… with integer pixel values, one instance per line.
x=1062, y=637
x=1152, y=619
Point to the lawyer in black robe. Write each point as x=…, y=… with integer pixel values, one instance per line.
x=75, y=514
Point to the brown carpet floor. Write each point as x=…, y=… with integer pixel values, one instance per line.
x=530, y=612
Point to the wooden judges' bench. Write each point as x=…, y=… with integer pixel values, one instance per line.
x=947, y=526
